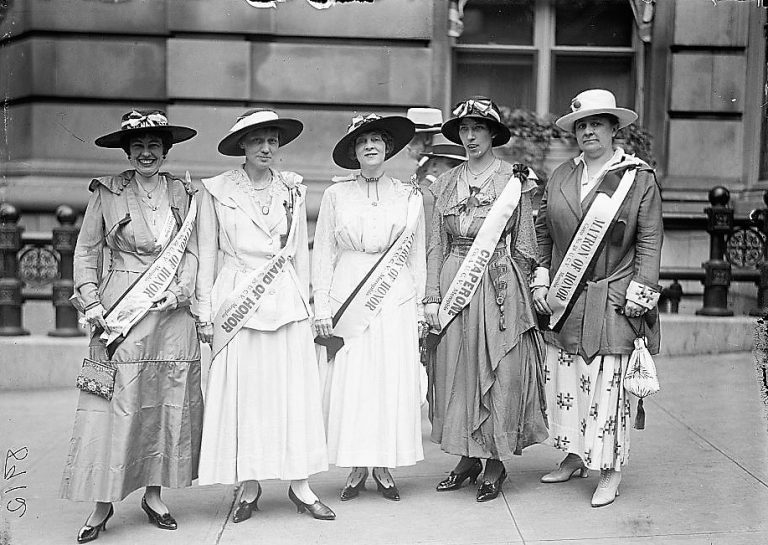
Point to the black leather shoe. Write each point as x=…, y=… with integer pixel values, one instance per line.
x=455, y=480
x=389, y=492
x=318, y=509
x=350, y=492
x=89, y=533
x=164, y=522
x=488, y=490
x=245, y=508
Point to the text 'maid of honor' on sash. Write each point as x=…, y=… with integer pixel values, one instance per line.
x=249, y=294
x=585, y=245
x=472, y=268
x=137, y=301
x=368, y=302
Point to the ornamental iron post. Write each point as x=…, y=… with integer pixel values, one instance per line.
x=717, y=270
x=63, y=241
x=759, y=218
x=10, y=284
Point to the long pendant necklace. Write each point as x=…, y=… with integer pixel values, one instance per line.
x=148, y=194
x=257, y=192
x=368, y=181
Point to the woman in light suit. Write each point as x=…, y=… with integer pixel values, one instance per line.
x=264, y=415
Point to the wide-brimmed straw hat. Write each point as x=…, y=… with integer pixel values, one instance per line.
x=427, y=120
x=399, y=128
x=595, y=102
x=442, y=147
x=477, y=107
x=251, y=120
x=144, y=121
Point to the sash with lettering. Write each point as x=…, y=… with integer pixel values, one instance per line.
x=471, y=271
x=367, y=304
x=248, y=295
x=134, y=304
x=586, y=243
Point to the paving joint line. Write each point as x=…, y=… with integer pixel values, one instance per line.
x=710, y=443
x=226, y=520
x=514, y=520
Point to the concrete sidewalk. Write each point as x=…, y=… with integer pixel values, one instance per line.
x=697, y=475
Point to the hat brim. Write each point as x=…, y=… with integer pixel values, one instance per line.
x=401, y=129
x=447, y=151
x=450, y=130
x=625, y=116
x=115, y=139
x=289, y=130
x=444, y=156
x=427, y=129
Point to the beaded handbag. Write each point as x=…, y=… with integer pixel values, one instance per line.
x=97, y=378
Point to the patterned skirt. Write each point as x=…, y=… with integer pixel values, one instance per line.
x=587, y=407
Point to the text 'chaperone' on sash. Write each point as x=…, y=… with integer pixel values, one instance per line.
x=134, y=304
x=250, y=293
x=472, y=268
x=370, y=297
x=586, y=244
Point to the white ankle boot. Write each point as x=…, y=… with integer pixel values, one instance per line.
x=607, y=489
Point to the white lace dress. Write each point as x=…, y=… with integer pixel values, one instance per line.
x=373, y=389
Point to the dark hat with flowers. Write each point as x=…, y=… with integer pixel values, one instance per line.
x=145, y=121
x=399, y=128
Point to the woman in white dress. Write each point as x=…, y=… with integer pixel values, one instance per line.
x=263, y=418
x=372, y=391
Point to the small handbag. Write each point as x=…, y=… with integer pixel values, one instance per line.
x=640, y=379
x=97, y=377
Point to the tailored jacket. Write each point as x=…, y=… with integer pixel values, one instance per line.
x=236, y=240
x=631, y=253
x=114, y=220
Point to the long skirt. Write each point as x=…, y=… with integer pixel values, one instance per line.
x=588, y=408
x=149, y=433
x=488, y=399
x=263, y=417
x=373, y=393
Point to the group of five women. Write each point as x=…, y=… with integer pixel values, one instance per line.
x=278, y=406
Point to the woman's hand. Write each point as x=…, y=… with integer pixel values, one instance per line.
x=633, y=310
x=204, y=332
x=540, y=301
x=324, y=327
x=430, y=315
x=164, y=301
x=95, y=317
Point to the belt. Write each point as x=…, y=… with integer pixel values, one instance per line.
x=460, y=247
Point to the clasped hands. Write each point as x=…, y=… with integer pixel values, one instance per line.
x=631, y=309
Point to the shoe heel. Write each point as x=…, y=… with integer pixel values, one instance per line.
x=618, y=493
x=583, y=473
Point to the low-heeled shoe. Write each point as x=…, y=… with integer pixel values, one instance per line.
x=389, y=492
x=318, y=509
x=164, y=521
x=350, y=492
x=245, y=508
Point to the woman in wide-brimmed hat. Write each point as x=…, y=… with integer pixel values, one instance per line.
x=372, y=390
x=148, y=433
x=264, y=413
x=588, y=351
x=486, y=395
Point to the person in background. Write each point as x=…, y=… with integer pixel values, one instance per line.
x=595, y=315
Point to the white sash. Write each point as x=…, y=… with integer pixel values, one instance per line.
x=585, y=245
x=168, y=227
x=248, y=295
x=367, y=304
x=473, y=267
x=134, y=304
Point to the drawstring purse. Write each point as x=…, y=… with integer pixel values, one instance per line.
x=640, y=379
